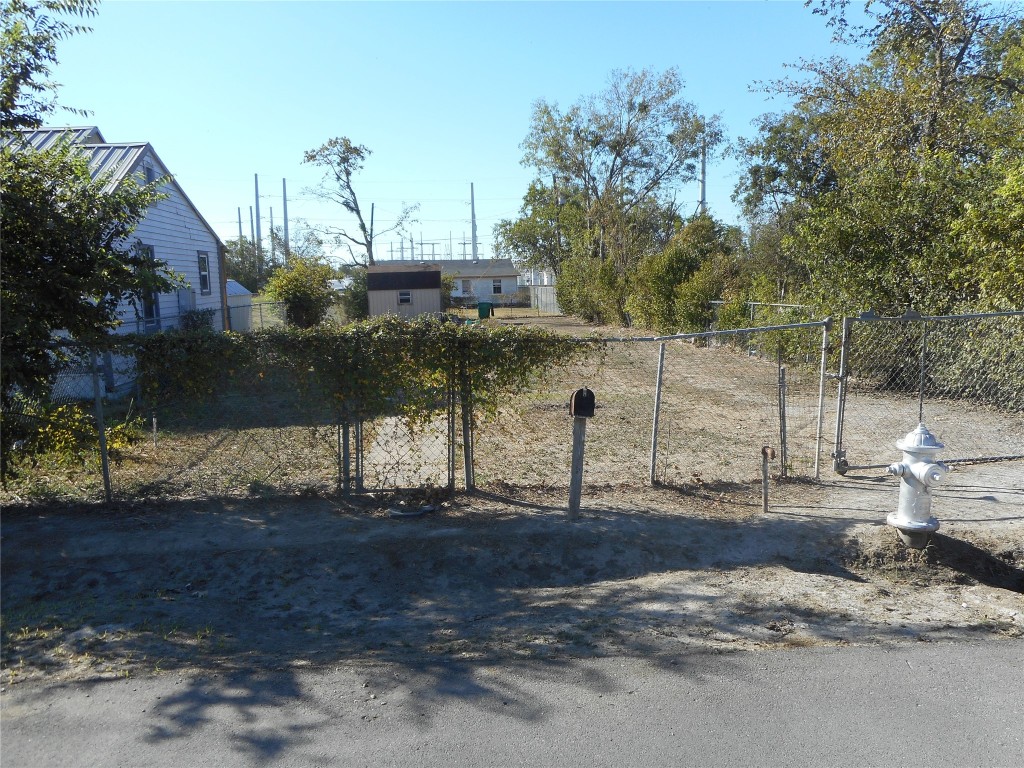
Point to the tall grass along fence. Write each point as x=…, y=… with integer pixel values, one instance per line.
x=391, y=405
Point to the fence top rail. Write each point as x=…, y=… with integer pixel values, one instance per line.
x=827, y=322
x=871, y=317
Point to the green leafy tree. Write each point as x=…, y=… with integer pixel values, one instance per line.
x=341, y=160
x=242, y=263
x=301, y=285
x=29, y=33
x=652, y=301
x=355, y=299
x=873, y=175
x=694, y=307
x=616, y=161
x=69, y=260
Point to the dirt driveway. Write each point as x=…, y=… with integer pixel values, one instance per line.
x=92, y=593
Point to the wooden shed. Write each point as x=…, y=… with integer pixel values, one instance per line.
x=404, y=288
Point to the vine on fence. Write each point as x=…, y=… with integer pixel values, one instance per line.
x=387, y=366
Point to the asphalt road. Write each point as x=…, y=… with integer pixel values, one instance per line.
x=927, y=704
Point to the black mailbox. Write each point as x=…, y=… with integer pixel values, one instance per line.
x=582, y=403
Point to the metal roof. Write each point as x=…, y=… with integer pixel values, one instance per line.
x=235, y=288
x=480, y=268
x=402, y=275
x=118, y=161
x=115, y=162
x=462, y=267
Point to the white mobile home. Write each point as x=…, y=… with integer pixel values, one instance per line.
x=495, y=280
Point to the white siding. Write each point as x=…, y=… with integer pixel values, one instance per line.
x=177, y=235
x=483, y=287
x=386, y=302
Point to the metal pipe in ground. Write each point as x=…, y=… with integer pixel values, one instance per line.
x=657, y=413
x=767, y=454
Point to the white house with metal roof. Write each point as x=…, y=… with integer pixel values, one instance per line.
x=483, y=279
x=173, y=230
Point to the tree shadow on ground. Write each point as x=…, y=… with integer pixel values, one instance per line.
x=257, y=591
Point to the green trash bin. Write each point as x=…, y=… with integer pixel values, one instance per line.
x=483, y=310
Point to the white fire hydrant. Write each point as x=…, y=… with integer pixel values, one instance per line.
x=919, y=473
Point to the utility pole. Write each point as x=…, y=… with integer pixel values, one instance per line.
x=259, y=235
x=703, y=176
x=472, y=211
x=284, y=194
x=273, y=250
x=369, y=250
x=239, y=226
x=252, y=238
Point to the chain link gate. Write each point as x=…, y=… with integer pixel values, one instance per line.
x=962, y=375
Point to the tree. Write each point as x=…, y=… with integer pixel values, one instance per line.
x=301, y=285
x=242, y=264
x=872, y=174
x=341, y=160
x=69, y=260
x=29, y=33
x=652, y=300
x=355, y=299
x=616, y=162
x=251, y=266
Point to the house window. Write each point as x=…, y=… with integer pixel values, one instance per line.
x=405, y=297
x=204, y=273
x=467, y=287
x=496, y=286
x=150, y=173
x=151, y=299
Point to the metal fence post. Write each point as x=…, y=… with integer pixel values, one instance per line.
x=657, y=413
x=839, y=462
x=921, y=385
x=345, y=457
x=821, y=396
x=359, y=455
x=782, y=420
x=451, y=434
x=101, y=425
x=466, y=401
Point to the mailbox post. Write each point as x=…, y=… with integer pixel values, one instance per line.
x=581, y=407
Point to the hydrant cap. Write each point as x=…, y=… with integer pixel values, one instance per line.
x=919, y=439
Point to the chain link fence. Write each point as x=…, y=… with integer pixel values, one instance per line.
x=963, y=376
x=691, y=411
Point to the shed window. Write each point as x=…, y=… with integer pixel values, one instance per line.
x=405, y=297
x=204, y=273
x=496, y=286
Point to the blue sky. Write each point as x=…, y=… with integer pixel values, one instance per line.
x=440, y=92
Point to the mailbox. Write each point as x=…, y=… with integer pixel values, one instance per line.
x=582, y=403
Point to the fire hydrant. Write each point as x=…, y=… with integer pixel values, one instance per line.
x=919, y=473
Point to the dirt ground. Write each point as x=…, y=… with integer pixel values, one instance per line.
x=91, y=592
